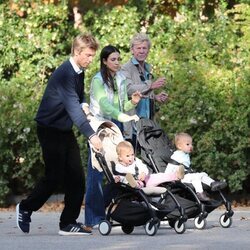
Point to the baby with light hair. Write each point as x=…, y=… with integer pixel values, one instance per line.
x=184, y=145
x=132, y=170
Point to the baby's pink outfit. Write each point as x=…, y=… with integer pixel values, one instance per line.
x=153, y=180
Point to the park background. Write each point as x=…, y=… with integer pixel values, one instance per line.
x=202, y=47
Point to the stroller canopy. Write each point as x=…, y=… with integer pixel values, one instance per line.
x=110, y=136
x=154, y=142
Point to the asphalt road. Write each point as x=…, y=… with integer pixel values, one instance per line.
x=44, y=235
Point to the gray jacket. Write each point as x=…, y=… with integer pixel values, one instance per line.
x=134, y=83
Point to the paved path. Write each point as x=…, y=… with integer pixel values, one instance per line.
x=44, y=228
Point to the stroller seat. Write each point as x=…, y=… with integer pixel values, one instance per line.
x=134, y=207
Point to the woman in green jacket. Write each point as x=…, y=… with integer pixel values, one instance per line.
x=108, y=100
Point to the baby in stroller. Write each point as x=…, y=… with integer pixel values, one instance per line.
x=132, y=170
x=128, y=206
x=183, y=144
x=156, y=151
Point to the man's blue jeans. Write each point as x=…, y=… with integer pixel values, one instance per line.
x=94, y=201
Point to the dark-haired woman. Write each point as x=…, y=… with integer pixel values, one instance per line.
x=108, y=100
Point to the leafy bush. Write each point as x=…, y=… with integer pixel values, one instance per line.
x=112, y=26
x=34, y=39
x=208, y=73
x=206, y=64
x=208, y=88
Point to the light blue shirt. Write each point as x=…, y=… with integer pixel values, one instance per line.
x=143, y=107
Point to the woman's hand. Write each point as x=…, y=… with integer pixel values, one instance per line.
x=136, y=97
x=136, y=118
x=127, y=118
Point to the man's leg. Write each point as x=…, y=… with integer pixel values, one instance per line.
x=53, y=155
x=73, y=183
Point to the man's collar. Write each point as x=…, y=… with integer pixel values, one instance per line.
x=134, y=61
x=75, y=66
x=146, y=65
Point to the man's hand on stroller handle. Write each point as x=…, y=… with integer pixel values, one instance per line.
x=96, y=143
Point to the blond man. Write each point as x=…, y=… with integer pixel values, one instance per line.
x=59, y=109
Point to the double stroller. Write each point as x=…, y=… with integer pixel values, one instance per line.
x=130, y=207
x=156, y=150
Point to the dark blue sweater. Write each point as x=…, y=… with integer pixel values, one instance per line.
x=60, y=106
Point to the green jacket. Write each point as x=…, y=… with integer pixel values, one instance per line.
x=104, y=103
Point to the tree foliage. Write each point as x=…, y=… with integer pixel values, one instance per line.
x=32, y=44
x=207, y=68
x=205, y=60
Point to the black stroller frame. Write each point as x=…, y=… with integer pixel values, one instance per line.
x=204, y=209
x=200, y=219
x=155, y=216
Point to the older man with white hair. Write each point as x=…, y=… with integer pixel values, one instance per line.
x=139, y=77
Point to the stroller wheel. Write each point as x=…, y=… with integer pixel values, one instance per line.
x=200, y=223
x=104, y=227
x=171, y=223
x=179, y=227
x=158, y=224
x=225, y=221
x=150, y=228
x=127, y=229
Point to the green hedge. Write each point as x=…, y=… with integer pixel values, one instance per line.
x=206, y=65
x=32, y=43
x=207, y=68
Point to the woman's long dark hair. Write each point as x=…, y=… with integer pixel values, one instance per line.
x=106, y=76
